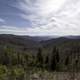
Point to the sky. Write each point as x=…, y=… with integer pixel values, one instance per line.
x=40, y=17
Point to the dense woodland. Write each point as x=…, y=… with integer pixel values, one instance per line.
x=17, y=61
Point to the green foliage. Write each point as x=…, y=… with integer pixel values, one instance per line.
x=54, y=59
x=18, y=71
x=53, y=63
x=46, y=62
x=67, y=61
x=3, y=72
x=39, y=58
x=16, y=64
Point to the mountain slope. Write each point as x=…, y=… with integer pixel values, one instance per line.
x=18, y=40
x=59, y=41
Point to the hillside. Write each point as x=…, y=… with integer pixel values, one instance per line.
x=60, y=41
x=26, y=57
x=26, y=41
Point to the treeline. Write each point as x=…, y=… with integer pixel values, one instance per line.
x=15, y=65
x=54, y=61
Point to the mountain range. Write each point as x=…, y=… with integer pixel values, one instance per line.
x=36, y=41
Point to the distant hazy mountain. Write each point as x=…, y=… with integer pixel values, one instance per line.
x=60, y=40
x=18, y=40
x=36, y=41
x=73, y=37
x=41, y=38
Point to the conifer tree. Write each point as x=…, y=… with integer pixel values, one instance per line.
x=39, y=58
x=67, y=61
x=54, y=59
x=47, y=62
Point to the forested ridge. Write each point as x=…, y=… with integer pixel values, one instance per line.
x=17, y=61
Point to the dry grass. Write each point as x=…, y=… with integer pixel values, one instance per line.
x=55, y=76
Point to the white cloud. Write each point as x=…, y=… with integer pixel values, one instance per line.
x=2, y=20
x=40, y=10
x=41, y=31
x=46, y=7
x=49, y=17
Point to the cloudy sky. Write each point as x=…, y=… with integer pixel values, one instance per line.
x=40, y=17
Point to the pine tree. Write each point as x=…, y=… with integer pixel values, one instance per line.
x=39, y=58
x=47, y=62
x=57, y=56
x=67, y=61
x=53, y=63
x=54, y=59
